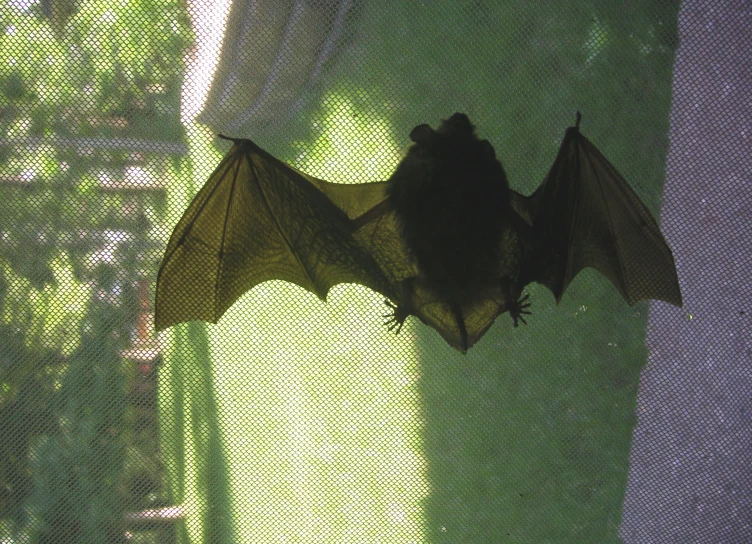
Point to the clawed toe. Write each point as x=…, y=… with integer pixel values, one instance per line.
x=396, y=318
x=519, y=309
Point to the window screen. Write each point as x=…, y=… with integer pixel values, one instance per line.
x=293, y=420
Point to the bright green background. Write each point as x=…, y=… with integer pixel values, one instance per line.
x=295, y=421
x=526, y=438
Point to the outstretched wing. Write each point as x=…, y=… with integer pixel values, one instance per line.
x=585, y=214
x=257, y=219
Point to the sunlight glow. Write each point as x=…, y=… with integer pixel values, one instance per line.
x=209, y=22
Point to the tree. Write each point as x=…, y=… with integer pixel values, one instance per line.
x=89, y=129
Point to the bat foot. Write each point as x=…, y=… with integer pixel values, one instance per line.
x=396, y=318
x=519, y=309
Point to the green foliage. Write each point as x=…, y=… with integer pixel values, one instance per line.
x=50, y=316
x=121, y=59
x=77, y=470
x=78, y=81
x=29, y=378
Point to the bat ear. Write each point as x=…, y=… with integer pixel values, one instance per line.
x=458, y=124
x=421, y=133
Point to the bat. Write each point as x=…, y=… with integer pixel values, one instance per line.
x=444, y=239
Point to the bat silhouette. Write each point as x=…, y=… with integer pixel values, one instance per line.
x=444, y=239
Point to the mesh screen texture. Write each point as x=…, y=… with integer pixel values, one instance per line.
x=295, y=420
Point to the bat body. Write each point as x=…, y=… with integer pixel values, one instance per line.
x=451, y=200
x=444, y=239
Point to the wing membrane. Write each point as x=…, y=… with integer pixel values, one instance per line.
x=257, y=219
x=587, y=215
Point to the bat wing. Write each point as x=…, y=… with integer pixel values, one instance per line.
x=258, y=219
x=585, y=214
x=375, y=227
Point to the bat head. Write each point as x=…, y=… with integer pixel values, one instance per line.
x=457, y=124
x=422, y=134
x=449, y=154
